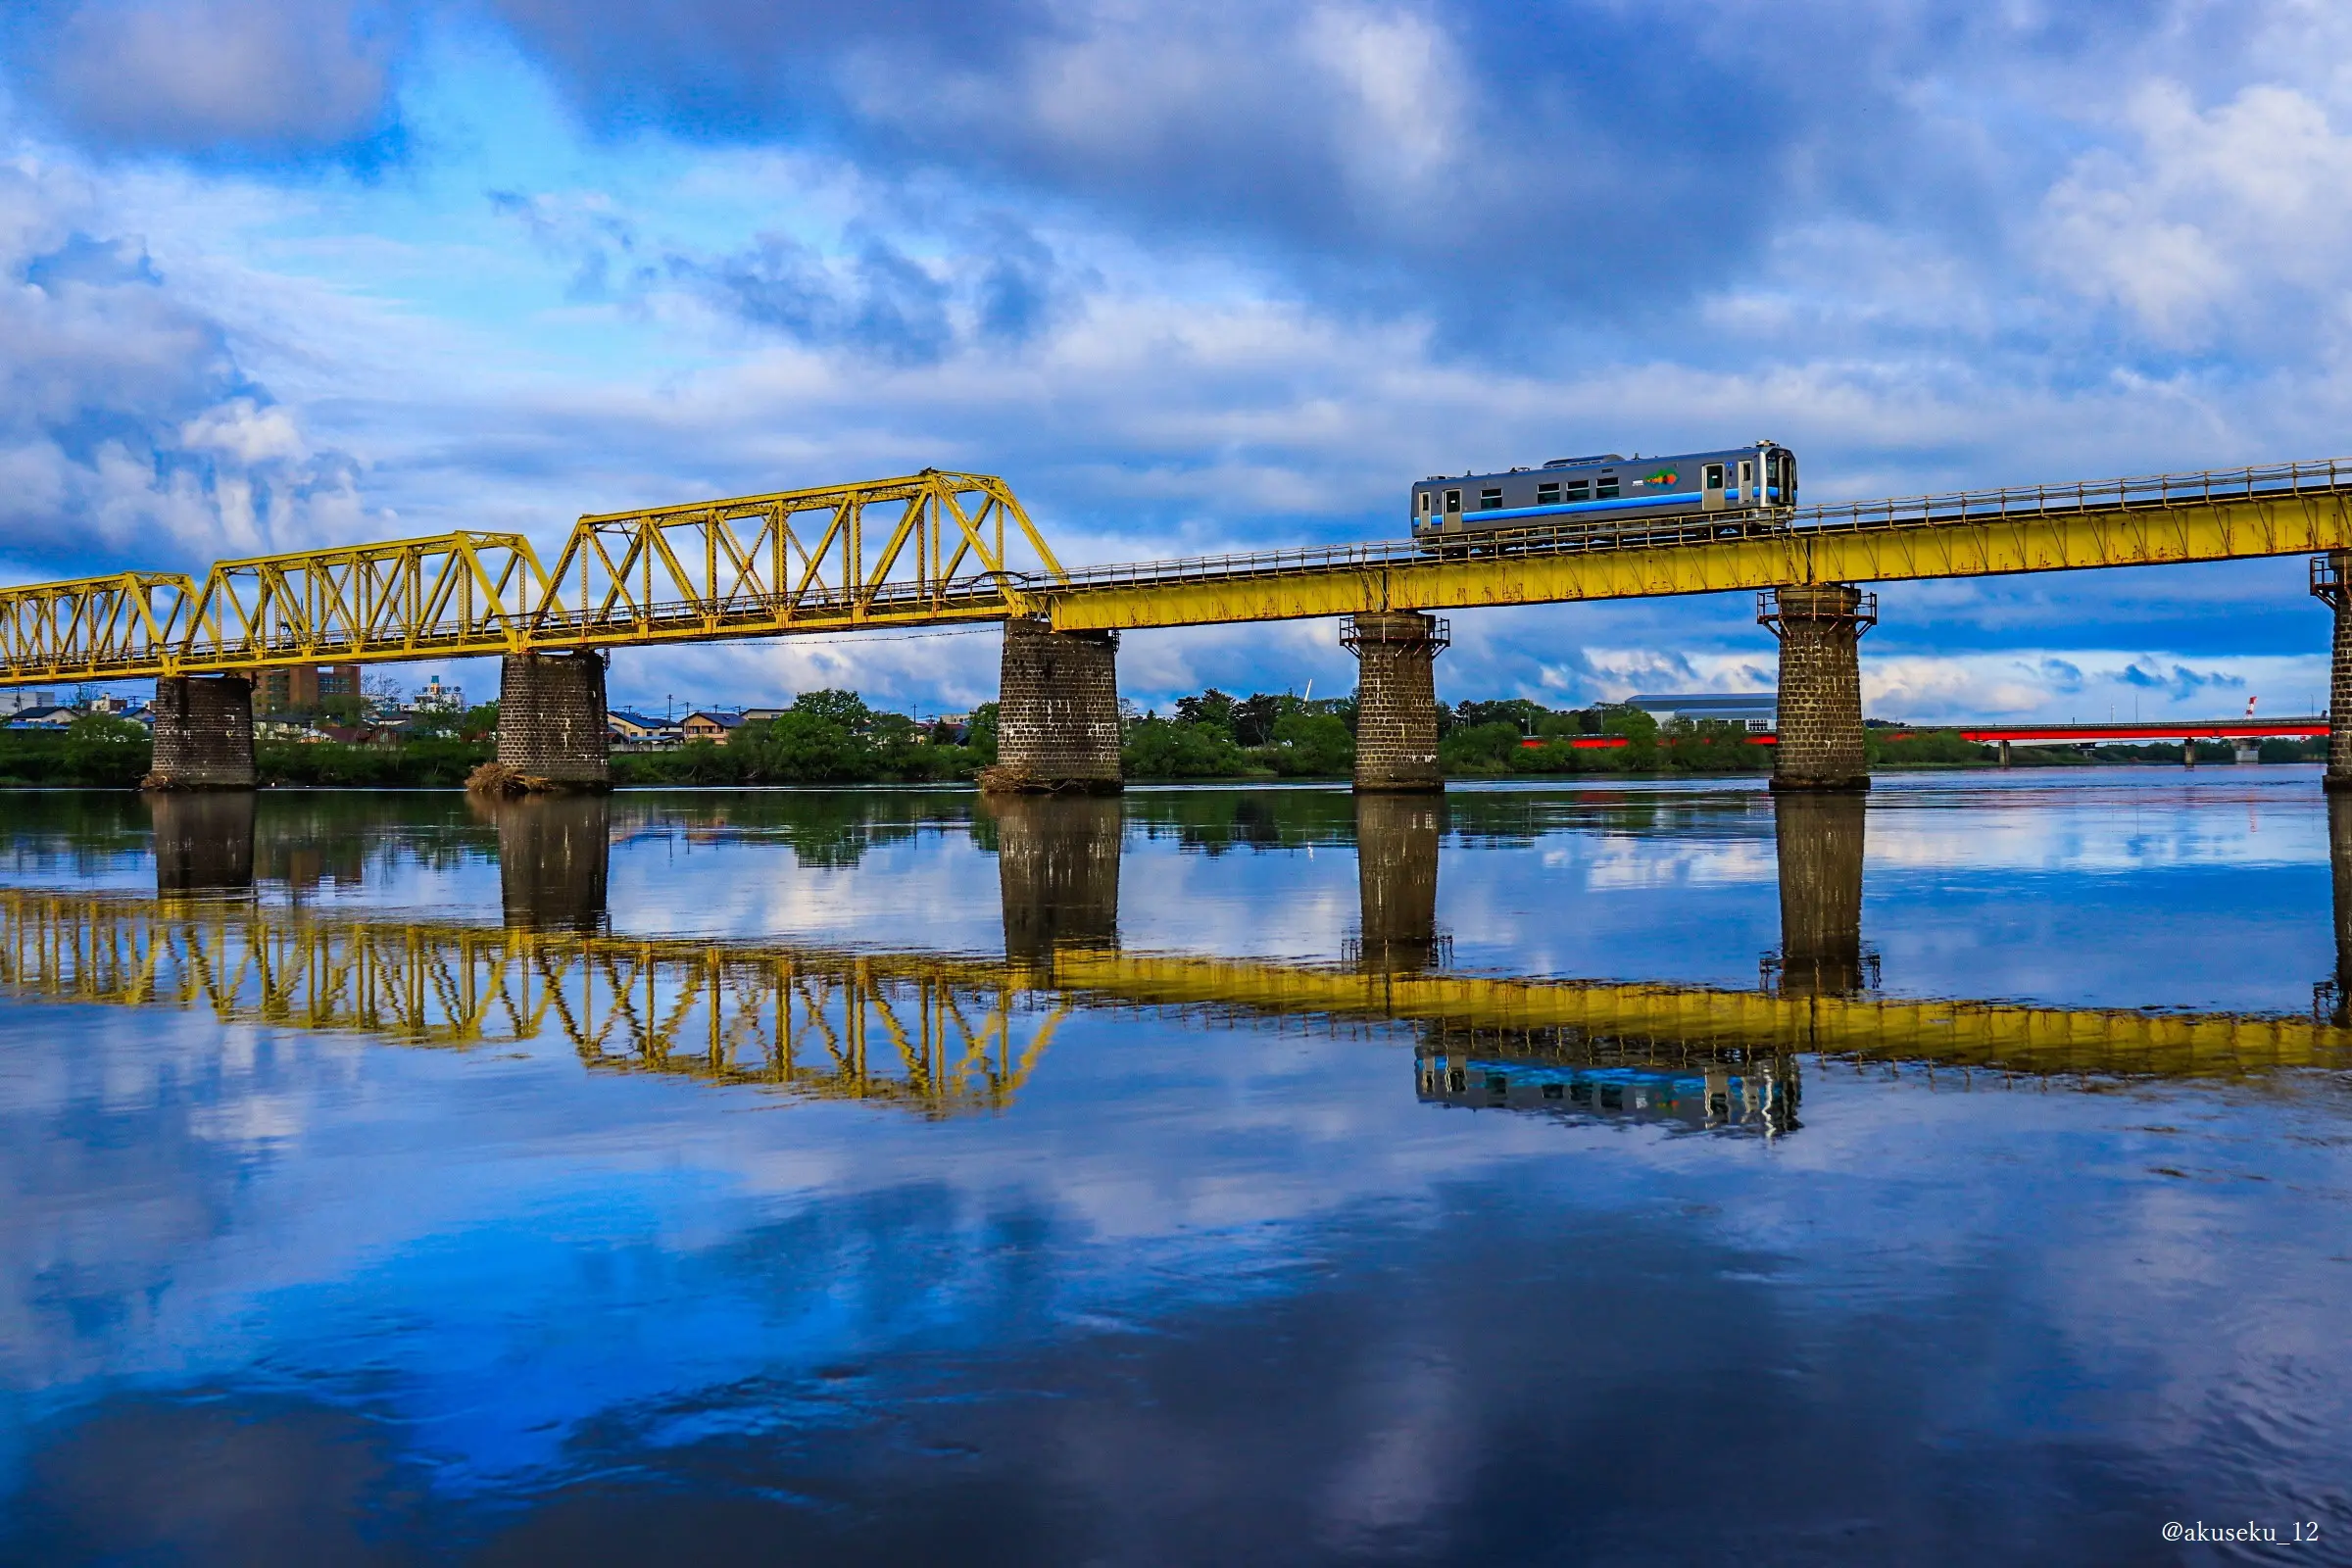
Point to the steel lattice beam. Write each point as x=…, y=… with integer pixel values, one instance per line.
x=931, y=549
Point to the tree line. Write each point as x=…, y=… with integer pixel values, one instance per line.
x=835, y=737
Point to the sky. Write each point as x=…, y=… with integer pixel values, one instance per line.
x=276, y=273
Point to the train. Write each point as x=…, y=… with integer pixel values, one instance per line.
x=1718, y=493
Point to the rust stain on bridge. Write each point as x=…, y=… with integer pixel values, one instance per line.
x=941, y=549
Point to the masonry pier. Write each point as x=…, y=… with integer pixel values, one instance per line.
x=2332, y=583
x=554, y=862
x=1820, y=627
x=1058, y=872
x=203, y=733
x=1058, y=713
x=1397, y=879
x=1818, y=837
x=551, y=722
x=2339, y=865
x=203, y=841
x=1397, y=700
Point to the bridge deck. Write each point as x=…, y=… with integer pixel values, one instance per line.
x=806, y=561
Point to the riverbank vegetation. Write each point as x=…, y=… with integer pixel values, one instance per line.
x=835, y=737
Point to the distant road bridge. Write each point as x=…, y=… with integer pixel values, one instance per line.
x=940, y=549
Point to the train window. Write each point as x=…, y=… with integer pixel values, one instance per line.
x=1551, y=1091
x=1490, y=500
x=1747, y=472
x=1714, y=478
x=1606, y=486
x=1453, y=501
x=1548, y=495
x=1579, y=490
x=1425, y=502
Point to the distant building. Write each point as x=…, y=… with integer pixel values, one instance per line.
x=302, y=688
x=434, y=698
x=640, y=730
x=17, y=699
x=710, y=724
x=1760, y=711
x=762, y=716
x=48, y=717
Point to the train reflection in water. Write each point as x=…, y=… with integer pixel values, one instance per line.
x=1740, y=1097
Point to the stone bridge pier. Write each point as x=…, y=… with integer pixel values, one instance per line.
x=1820, y=627
x=1818, y=837
x=203, y=733
x=1058, y=713
x=2329, y=574
x=1397, y=881
x=1395, y=699
x=203, y=841
x=552, y=728
x=554, y=859
x=1058, y=872
x=2339, y=868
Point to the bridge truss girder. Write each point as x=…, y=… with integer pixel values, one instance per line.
x=921, y=549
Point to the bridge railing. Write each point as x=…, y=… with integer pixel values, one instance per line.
x=2156, y=491
x=2148, y=492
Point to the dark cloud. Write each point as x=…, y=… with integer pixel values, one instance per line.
x=1566, y=161
x=265, y=77
x=2180, y=682
x=998, y=283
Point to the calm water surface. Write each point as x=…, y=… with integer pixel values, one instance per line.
x=1625, y=1174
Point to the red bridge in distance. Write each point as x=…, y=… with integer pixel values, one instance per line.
x=2204, y=729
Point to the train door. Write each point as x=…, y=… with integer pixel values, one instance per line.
x=1710, y=487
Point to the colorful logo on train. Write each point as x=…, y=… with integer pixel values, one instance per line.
x=1663, y=480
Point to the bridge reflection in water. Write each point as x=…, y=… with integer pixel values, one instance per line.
x=940, y=1033
x=554, y=853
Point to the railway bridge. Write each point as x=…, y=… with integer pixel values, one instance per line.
x=938, y=549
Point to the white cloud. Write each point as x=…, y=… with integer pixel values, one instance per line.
x=2200, y=223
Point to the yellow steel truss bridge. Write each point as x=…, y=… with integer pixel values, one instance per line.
x=942, y=1032
x=939, y=549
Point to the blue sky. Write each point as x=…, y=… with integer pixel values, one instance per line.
x=1189, y=278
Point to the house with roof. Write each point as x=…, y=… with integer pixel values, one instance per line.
x=52, y=717
x=640, y=731
x=712, y=724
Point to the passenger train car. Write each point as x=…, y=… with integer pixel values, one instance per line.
x=1734, y=490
